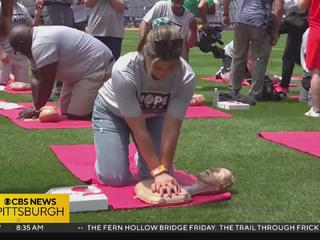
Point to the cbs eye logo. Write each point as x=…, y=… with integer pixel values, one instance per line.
x=7, y=201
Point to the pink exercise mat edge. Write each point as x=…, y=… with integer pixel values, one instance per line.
x=289, y=140
x=30, y=125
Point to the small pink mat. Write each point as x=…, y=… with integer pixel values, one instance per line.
x=307, y=142
x=297, y=78
x=214, y=79
x=192, y=112
x=294, y=97
x=64, y=123
x=205, y=112
x=11, y=91
x=80, y=159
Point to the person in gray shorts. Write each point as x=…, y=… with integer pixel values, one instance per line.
x=57, y=12
x=80, y=14
x=82, y=62
x=106, y=22
x=147, y=96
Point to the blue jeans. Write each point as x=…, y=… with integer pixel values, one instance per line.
x=111, y=138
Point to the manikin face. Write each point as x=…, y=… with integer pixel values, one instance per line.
x=177, y=7
x=160, y=69
x=216, y=177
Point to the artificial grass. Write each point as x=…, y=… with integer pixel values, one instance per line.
x=273, y=183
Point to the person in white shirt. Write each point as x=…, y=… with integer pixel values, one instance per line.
x=179, y=16
x=147, y=96
x=82, y=63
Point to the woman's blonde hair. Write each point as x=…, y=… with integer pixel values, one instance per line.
x=163, y=42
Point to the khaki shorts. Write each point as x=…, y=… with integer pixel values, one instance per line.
x=78, y=99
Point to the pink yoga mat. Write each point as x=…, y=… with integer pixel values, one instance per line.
x=297, y=78
x=64, y=123
x=205, y=112
x=80, y=159
x=214, y=79
x=294, y=97
x=307, y=142
x=192, y=112
x=10, y=91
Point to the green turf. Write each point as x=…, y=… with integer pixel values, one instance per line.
x=273, y=183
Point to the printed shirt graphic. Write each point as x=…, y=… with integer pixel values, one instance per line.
x=179, y=26
x=131, y=91
x=154, y=102
x=21, y=16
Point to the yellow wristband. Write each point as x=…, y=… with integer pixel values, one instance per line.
x=158, y=170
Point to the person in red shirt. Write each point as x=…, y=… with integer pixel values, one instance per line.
x=313, y=53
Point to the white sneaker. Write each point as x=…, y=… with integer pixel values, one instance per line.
x=312, y=113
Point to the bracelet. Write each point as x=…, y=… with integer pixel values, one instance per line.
x=158, y=171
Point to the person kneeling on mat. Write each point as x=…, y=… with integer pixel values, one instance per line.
x=82, y=62
x=147, y=96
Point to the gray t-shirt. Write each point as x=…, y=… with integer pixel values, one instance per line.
x=131, y=91
x=77, y=53
x=253, y=12
x=105, y=21
x=163, y=9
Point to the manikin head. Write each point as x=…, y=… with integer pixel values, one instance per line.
x=221, y=178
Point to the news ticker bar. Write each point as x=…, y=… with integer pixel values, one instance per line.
x=158, y=228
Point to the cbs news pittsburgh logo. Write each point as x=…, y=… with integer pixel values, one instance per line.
x=34, y=208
